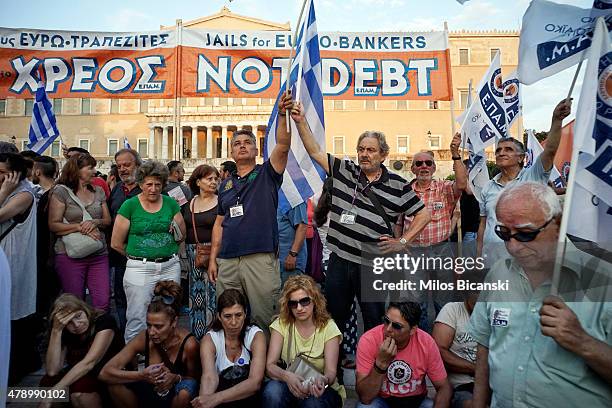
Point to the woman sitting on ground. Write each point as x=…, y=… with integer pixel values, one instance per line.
x=170, y=358
x=83, y=339
x=233, y=357
x=303, y=330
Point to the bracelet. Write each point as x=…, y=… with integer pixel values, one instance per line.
x=180, y=378
x=456, y=157
x=282, y=113
x=378, y=369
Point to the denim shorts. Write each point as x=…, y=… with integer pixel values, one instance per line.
x=188, y=384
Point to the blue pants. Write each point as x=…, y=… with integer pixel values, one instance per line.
x=381, y=403
x=276, y=394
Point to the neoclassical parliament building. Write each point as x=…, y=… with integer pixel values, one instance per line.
x=207, y=123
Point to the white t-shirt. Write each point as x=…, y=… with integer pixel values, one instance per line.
x=455, y=315
x=218, y=338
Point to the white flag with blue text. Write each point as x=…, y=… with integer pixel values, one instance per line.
x=534, y=149
x=303, y=177
x=512, y=99
x=591, y=211
x=43, y=127
x=553, y=37
x=486, y=118
x=478, y=173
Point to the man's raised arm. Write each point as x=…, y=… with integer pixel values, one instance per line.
x=280, y=153
x=562, y=110
x=297, y=114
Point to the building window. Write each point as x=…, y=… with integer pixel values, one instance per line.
x=464, y=56
x=144, y=105
x=402, y=104
x=463, y=98
x=434, y=142
x=494, y=52
x=338, y=144
x=370, y=104
x=114, y=106
x=84, y=144
x=112, y=146
x=57, y=106
x=143, y=150
x=338, y=104
x=24, y=145
x=85, y=106
x=433, y=104
x=402, y=144
x=2, y=106
x=55, y=148
x=29, y=106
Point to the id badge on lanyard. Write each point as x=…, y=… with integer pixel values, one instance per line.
x=236, y=210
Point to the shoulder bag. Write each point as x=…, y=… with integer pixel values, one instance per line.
x=299, y=365
x=79, y=245
x=202, y=250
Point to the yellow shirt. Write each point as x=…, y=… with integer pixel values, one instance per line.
x=313, y=346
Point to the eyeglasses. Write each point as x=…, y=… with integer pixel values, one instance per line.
x=419, y=163
x=293, y=304
x=167, y=299
x=395, y=325
x=521, y=236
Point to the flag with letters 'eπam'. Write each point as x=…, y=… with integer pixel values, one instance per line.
x=535, y=149
x=590, y=214
x=43, y=127
x=486, y=117
x=553, y=37
x=303, y=177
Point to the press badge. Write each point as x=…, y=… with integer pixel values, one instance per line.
x=500, y=317
x=236, y=211
x=347, y=217
x=438, y=205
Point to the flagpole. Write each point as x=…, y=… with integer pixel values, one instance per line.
x=569, y=94
x=176, y=138
x=293, y=41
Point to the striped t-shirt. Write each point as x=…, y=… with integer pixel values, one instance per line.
x=393, y=192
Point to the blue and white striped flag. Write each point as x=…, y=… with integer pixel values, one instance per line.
x=126, y=144
x=303, y=177
x=43, y=128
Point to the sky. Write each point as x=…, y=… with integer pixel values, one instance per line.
x=539, y=99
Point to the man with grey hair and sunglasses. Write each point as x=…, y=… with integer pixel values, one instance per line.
x=509, y=158
x=534, y=349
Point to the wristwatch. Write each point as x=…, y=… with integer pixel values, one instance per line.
x=403, y=241
x=293, y=253
x=456, y=157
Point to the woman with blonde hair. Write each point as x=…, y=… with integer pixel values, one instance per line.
x=82, y=339
x=303, y=331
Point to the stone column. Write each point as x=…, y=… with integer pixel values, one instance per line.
x=194, y=142
x=209, y=142
x=151, y=149
x=164, y=152
x=224, y=142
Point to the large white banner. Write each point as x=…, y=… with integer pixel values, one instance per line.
x=553, y=37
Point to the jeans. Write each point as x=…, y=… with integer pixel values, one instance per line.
x=276, y=394
x=139, y=281
x=379, y=402
x=91, y=272
x=342, y=284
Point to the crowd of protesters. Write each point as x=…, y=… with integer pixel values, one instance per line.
x=274, y=297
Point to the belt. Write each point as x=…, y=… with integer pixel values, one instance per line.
x=156, y=260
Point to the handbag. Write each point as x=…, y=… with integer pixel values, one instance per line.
x=300, y=366
x=202, y=250
x=79, y=245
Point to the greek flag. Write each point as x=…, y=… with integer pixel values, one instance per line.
x=43, y=129
x=126, y=144
x=303, y=177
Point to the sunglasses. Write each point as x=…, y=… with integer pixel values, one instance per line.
x=395, y=325
x=521, y=236
x=419, y=163
x=167, y=299
x=293, y=304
